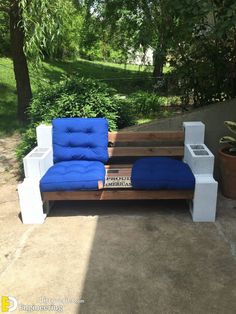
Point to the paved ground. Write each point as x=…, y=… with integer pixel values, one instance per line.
x=116, y=257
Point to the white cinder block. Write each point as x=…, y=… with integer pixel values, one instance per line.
x=37, y=162
x=194, y=132
x=44, y=135
x=203, y=208
x=199, y=158
x=201, y=161
x=30, y=201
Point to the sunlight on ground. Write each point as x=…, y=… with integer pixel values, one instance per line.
x=128, y=67
x=55, y=254
x=142, y=121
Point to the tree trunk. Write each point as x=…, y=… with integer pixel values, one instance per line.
x=158, y=68
x=21, y=71
x=158, y=62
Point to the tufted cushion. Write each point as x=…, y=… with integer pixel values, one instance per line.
x=72, y=176
x=158, y=173
x=80, y=139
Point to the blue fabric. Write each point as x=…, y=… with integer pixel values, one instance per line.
x=72, y=176
x=162, y=173
x=80, y=139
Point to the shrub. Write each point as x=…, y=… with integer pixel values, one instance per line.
x=73, y=97
x=126, y=113
x=28, y=141
x=147, y=104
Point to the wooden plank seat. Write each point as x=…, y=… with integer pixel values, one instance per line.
x=124, y=151
x=118, y=193
x=145, y=144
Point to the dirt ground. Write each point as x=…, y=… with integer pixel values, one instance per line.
x=8, y=163
x=9, y=207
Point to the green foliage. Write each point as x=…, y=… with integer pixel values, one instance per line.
x=126, y=113
x=52, y=28
x=125, y=82
x=68, y=42
x=196, y=37
x=230, y=140
x=202, y=50
x=4, y=35
x=8, y=119
x=147, y=104
x=28, y=141
x=73, y=97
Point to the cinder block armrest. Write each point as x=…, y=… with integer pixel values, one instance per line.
x=37, y=162
x=201, y=161
x=199, y=158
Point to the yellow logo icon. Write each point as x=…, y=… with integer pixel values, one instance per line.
x=9, y=304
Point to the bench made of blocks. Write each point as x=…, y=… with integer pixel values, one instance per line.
x=76, y=157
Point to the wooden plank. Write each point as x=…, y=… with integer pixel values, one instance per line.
x=117, y=171
x=118, y=194
x=120, y=173
x=145, y=151
x=145, y=136
x=118, y=166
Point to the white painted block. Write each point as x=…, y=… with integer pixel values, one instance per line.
x=194, y=132
x=199, y=158
x=203, y=207
x=44, y=135
x=37, y=162
x=31, y=202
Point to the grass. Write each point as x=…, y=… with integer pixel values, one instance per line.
x=125, y=80
x=8, y=118
x=142, y=121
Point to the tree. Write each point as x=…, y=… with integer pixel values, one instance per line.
x=197, y=36
x=135, y=24
x=35, y=27
x=52, y=28
x=203, y=49
x=17, y=39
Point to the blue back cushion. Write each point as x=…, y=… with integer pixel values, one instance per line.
x=80, y=139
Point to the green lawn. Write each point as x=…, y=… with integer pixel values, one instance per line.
x=124, y=80
x=8, y=120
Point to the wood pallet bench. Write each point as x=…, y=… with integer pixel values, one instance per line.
x=124, y=148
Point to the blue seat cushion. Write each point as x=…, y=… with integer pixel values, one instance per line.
x=72, y=176
x=162, y=173
x=80, y=139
